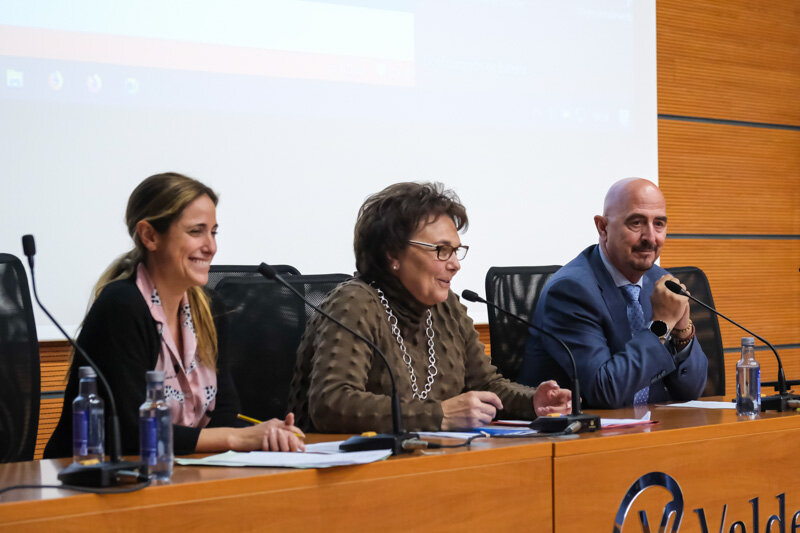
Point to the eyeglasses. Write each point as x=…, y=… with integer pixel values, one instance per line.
x=444, y=251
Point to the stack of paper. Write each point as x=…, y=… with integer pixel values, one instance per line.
x=323, y=458
x=703, y=405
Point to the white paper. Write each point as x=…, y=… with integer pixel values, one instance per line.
x=324, y=447
x=288, y=459
x=519, y=423
x=507, y=430
x=491, y=431
x=604, y=422
x=448, y=434
x=704, y=405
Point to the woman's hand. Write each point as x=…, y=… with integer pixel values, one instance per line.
x=550, y=398
x=273, y=435
x=469, y=410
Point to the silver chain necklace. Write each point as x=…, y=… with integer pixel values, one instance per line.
x=432, y=370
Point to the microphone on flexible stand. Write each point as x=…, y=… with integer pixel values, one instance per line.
x=102, y=474
x=382, y=441
x=547, y=424
x=776, y=402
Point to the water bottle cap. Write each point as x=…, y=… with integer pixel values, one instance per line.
x=86, y=372
x=155, y=376
x=748, y=341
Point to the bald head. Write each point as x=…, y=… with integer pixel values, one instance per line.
x=633, y=226
x=631, y=190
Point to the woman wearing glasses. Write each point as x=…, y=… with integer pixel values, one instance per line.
x=407, y=251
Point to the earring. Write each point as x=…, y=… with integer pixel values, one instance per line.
x=394, y=267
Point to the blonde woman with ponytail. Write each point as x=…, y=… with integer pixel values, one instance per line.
x=149, y=312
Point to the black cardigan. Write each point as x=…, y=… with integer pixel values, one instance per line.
x=121, y=336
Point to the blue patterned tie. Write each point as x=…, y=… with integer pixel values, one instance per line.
x=636, y=321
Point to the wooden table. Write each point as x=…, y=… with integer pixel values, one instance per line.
x=568, y=484
x=493, y=483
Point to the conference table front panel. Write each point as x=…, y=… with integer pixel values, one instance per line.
x=494, y=484
x=716, y=470
x=719, y=471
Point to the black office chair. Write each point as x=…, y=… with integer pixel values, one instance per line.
x=259, y=329
x=706, y=326
x=516, y=289
x=219, y=272
x=19, y=364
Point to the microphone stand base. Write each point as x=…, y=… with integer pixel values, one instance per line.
x=557, y=424
x=381, y=441
x=98, y=475
x=778, y=402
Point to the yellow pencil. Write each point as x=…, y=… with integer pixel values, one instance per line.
x=254, y=421
x=248, y=419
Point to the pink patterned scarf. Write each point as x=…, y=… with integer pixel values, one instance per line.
x=189, y=386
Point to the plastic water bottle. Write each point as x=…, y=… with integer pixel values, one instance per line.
x=748, y=381
x=88, y=420
x=155, y=429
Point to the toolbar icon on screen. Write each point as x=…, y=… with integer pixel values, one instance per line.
x=131, y=85
x=56, y=80
x=15, y=78
x=94, y=83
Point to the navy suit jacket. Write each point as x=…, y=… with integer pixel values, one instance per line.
x=581, y=306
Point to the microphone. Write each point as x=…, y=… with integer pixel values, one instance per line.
x=777, y=402
x=547, y=424
x=103, y=474
x=29, y=248
x=393, y=441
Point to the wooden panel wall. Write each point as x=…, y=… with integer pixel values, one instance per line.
x=731, y=59
x=725, y=179
x=53, y=357
x=729, y=162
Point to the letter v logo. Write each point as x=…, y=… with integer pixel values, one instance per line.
x=672, y=510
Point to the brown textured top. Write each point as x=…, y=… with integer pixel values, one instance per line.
x=340, y=387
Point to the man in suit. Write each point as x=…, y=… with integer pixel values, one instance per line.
x=632, y=338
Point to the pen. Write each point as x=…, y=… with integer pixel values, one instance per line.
x=254, y=421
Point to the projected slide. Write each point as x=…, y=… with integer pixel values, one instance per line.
x=309, y=40
x=296, y=110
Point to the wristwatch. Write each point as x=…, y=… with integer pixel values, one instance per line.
x=659, y=327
